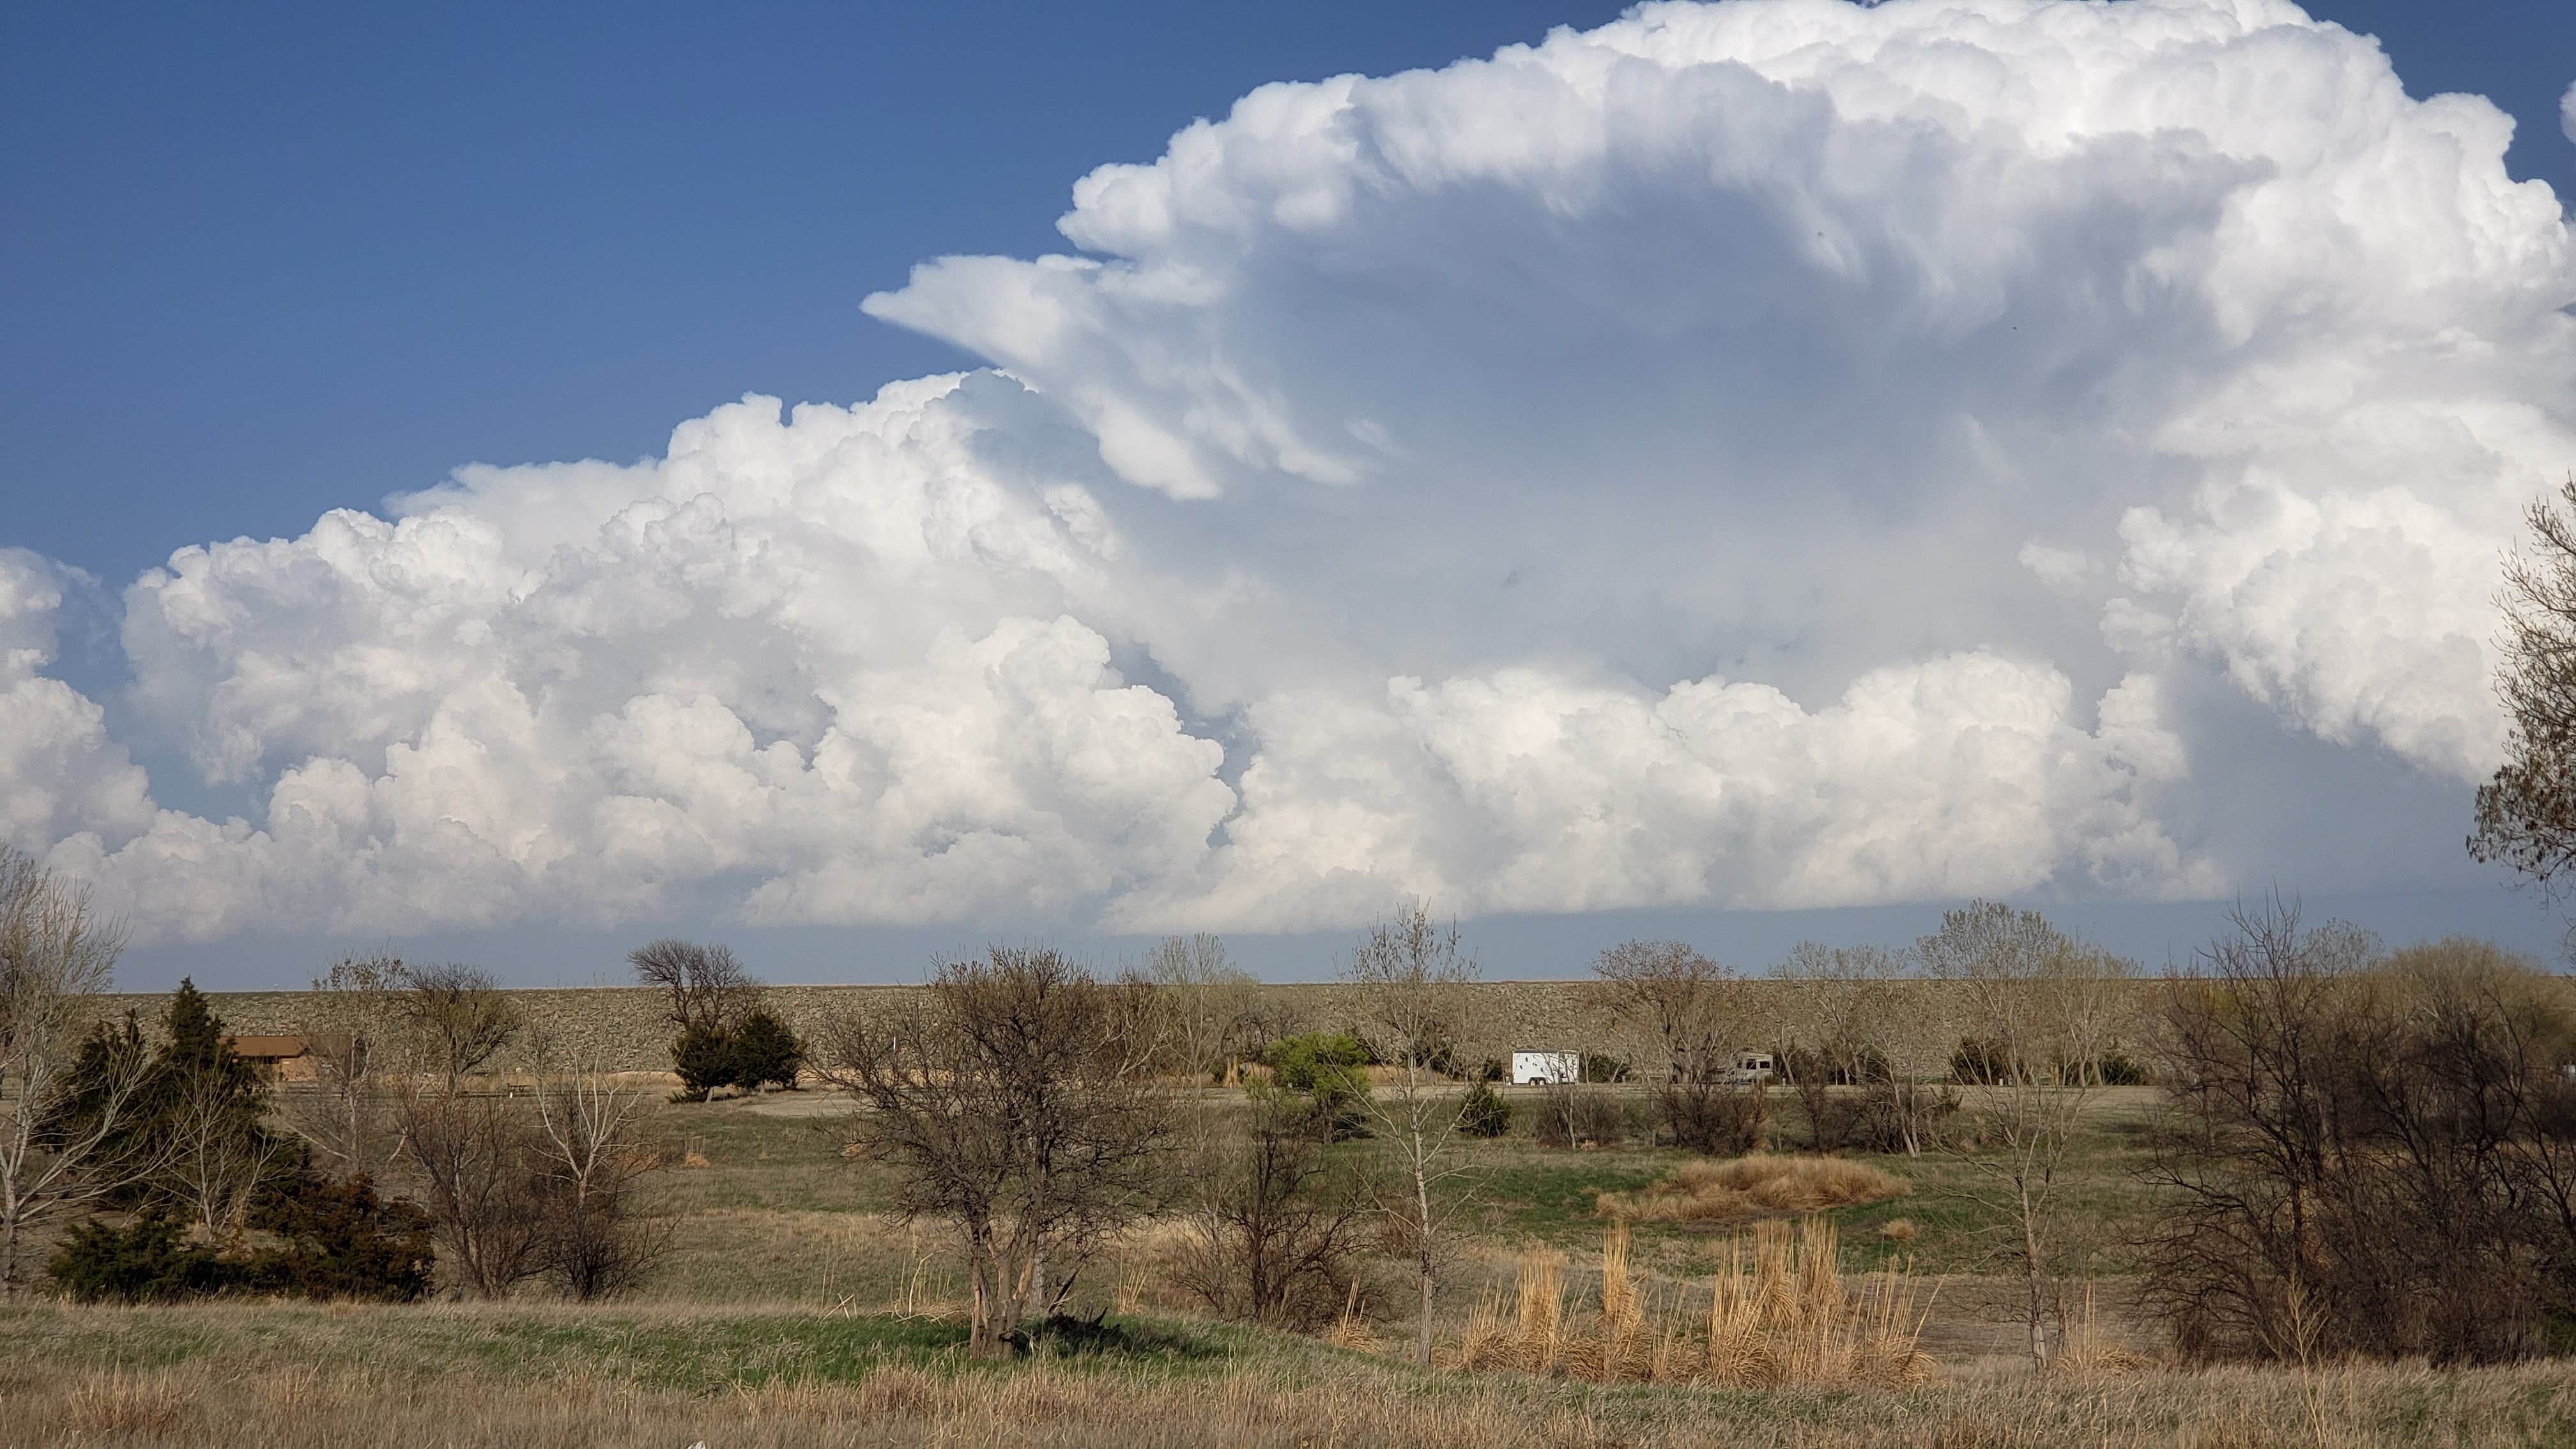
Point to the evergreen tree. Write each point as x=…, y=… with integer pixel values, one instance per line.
x=197, y=1097
x=765, y=1051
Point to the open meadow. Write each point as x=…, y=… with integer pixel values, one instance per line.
x=793, y=1308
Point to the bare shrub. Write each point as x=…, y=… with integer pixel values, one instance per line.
x=589, y=1162
x=1210, y=1001
x=1273, y=1228
x=345, y=1117
x=2526, y=813
x=1853, y=1044
x=1711, y=1192
x=1570, y=1115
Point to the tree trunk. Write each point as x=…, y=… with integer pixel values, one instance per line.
x=1422, y=1205
x=2031, y=1268
x=9, y=1258
x=984, y=1335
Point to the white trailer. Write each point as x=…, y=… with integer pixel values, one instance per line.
x=1541, y=1069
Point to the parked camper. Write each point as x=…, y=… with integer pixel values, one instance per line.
x=1543, y=1069
x=1753, y=1067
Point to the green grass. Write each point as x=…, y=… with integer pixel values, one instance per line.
x=697, y=1351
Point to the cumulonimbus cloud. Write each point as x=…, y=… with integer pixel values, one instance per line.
x=1779, y=452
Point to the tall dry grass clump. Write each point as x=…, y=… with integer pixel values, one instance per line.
x=1746, y=1187
x=1780, y=1313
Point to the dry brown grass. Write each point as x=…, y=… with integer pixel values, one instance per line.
x=1268, y=1404
x=1779, y=1313
x=118, y=1405
x=1753, y=1186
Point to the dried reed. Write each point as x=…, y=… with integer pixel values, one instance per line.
x=1779, y=1313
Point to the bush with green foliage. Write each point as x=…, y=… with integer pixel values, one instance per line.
x=704, y=1058
x=341, y=1240
x=750, y=1053
x=148, y=1260
x=313, y=1238
x=1329, y=1070
x=1483, y=1112
x=195, y=1094
x=765, y=1051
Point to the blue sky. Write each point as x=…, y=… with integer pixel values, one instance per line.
x=1448, y=509
x=267, y=260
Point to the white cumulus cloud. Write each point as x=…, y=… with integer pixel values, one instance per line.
x=1769, y=453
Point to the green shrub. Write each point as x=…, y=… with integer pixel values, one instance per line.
x=1329, y=1070
x=343, y=1241
x=315, y=1238
x=764, y=1051
x=1484, y=1113
x=704, y=1058
x=149, y=1260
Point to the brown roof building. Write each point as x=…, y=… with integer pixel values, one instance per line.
x=287, y=1058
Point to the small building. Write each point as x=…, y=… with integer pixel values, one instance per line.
x=1543, y=1069
x=286, y=1058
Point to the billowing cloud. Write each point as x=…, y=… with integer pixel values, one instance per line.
x=59, y=772
x=1780, y=452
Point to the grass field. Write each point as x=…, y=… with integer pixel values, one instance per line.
x=797, y=1311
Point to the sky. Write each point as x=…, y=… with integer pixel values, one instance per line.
x=1747, y=472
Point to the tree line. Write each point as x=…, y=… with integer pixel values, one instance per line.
x=2355, y=1150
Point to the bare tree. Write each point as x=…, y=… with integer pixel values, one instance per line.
x=1209, y=996
x=708, y=987
x=2036, y=1000
x=1705, y=1015
x=56, y=957
x=1408, y=981
x=1852, y=1011
x=1005, y=1092
x=218, y=1157
x=2526, y=814
x=346, y=1117
x=457, y=1014
x=2367, y=1154
x=1817, y=1041
x=589, y=1163
x=474, y=1164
